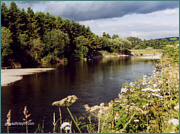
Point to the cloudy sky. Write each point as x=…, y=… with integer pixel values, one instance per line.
x=143, y=19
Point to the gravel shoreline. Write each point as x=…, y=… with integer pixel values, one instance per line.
x=9, y=76
x=151, y=57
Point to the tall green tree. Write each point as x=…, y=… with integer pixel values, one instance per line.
x=6, y=40
x=56, y=42
x=37, y=49
x=4, y=15
x=81, y=46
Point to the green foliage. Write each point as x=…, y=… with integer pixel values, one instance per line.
x=172, y=53
x=6, y=40
x=115, y=36
x=82, y=45
x=37, y=49
x=55, y=42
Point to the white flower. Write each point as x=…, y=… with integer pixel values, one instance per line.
x=131, y=84
x=124, y=90
x=157, y=90
x=176, y=46
x=157, y=95
x=132, y=104
x=65, y=124
x=174, y=121
x=155, y=85
x=176, y=107
x=172, y=132
x=146, y=89
x=117, y=100
x=102, y=104
x=67, y=128
x=136, y=120
x=152, y=90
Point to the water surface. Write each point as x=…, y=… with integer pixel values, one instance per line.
x=93, y=82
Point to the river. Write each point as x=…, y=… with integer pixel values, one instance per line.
x=93, y=82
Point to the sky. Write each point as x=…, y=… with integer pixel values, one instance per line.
x=142, y=19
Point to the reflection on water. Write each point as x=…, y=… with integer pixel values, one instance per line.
x=93, y=82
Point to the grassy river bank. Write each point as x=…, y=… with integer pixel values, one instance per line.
x=148, y=105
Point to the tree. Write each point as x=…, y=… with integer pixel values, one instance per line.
x=37, y=48
x=14, y=13
x=82, y=46
x=106, y=44
x=55, y=42
x=115, y=36
x=4, y=15
x=6, y=40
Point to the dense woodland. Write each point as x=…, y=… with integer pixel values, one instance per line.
x=30, y=39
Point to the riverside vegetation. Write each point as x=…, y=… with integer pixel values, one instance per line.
x=148, y=105
x=30, y=39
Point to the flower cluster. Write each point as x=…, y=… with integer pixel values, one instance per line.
x=66, y=102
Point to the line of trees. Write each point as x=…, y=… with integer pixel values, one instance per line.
x=31, y=38
x=137, y=43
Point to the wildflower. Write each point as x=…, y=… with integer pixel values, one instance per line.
x=132, y=104
x=9, y=118
x=172, y=132
x=124, y=90
x=136, y=120
x=137, y=110
x=119, y=95
x=176, y=107
x=144, y=81
x=116, y=100
x=176, y=46
x=155, y=85
x=87, y=107
x=94, y=108
x=64, y=125
x=157, y=95
x=131, y=85
x=102, y=104
x=152, y=90
x=67, y=128
x=66, y=102
x=156, y=90
x=174, y=121
x=26, y=117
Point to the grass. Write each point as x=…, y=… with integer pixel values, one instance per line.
x=148, y=51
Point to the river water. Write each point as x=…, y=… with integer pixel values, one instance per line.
x=93, y=82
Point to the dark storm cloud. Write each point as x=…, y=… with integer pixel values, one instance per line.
x=92, y=10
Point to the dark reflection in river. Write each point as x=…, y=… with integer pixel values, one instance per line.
x=93, y=82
